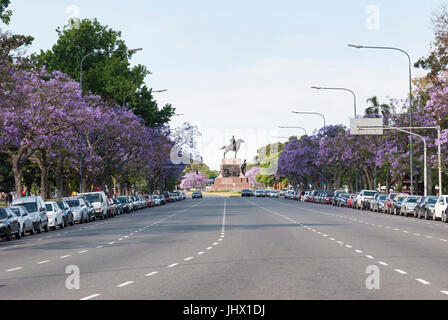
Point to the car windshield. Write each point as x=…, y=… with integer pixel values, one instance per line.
x=412, y=200
x=3, y=213
x=369, y=193
x=16, y=211
x=330, y=195
x=401, y=199
x=73, y=203
x=30, y=206
x=49, y=207
x=94, y=197
x=122, y=200
x=61, y=205
x=383, y=197
x=432, y=200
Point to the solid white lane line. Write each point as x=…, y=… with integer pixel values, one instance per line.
x=14, y=269
x=401, y=271
x=151, y=274
x=423, y=281
x=173, y=265
x=125, y=284
x=91, y=297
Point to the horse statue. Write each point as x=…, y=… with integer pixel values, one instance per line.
x=234, y=146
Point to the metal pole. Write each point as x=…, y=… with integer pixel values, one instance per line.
x=410, y=104
x=440, y=161
x=341, y=89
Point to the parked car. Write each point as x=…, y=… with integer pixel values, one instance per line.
x=9, y=224
x=55, y=215
x=260, y=194
x=427, y=207
x=273, y=194
x=69, y=219
x=246, y=193
x=90, y=211
x=37, y=211
x=79, y=209
x=379, y=203
x=389, y=201
x=119, y=206
x=99, y=202
x=408, y=205
x=396, y=204
x=289, y=194
x=25, y=221
x=440, y=209
x=342, y=199
x=197, y=195
x=363, y=199
x=351, y=201
x=126, y=204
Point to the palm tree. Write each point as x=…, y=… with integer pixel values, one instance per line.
x=376, y=108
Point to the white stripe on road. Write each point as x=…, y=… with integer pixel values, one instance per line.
x=188, y=259
x=43, y=262
x=125, y=284
x=401, y=271
x=14, y=269
x=173, y=265
x=383, y=263
x=202, y=252
x=91, y=297
x=63, y=257
x=83, y=251
x=423, y=281
x=151, y=274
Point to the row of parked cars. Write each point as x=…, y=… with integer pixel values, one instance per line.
x=394, y=203
x=260, y=193
x=31, y=215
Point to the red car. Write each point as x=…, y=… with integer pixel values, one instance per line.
x=389, y=201
x=148, y=200
x=350, y=200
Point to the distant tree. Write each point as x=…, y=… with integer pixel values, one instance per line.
x=377, y=108
x=5, y=15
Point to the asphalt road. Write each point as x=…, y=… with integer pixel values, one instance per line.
x=231, y=249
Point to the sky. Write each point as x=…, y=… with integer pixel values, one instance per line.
x=239, y=67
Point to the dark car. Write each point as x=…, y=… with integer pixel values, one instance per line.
x=119, y=206
x=69, y=219
x=166, y=195
x=91, y=214
x=197, y=195
x=9, y=224
x=125, y=203
x=246, y=193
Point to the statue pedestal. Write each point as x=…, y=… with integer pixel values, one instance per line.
x=231, y=178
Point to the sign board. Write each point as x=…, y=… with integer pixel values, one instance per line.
x=366, y=127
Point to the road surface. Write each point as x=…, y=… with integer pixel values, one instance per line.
x=231, y=249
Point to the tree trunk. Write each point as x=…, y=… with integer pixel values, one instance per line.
x=59, y=175
x=18, y=174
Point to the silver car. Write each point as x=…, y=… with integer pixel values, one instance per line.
x=79, y=209
x=25, y=221
x=408, y=205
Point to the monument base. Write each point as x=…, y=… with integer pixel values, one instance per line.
x=231, y=177
x=230, y=184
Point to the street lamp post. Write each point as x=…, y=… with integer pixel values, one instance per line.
x=314, y=113
x=80, y=83
x=126, y=97
x=294, y=128
x=325, y=131
x=410, y=102
x=340, y=89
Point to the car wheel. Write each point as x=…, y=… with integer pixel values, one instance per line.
x=18, y=235
x=47, y=227
x=62, y=224
x=72, y=223
x=8, y=235
x=426, y=215
x=23, y=231
x=33, y=231
x=39, y=230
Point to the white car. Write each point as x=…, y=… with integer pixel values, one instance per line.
x=155, y=200
x=79, y=209
x=98, y=201
x=440, y=208
x=363, y=199
x=55, y=215
x=25, y=220
x=273, y=194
